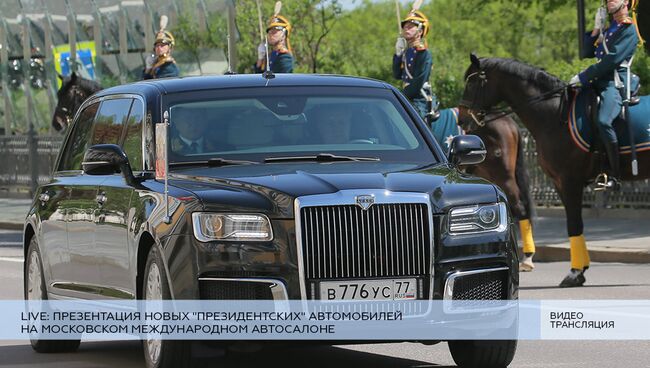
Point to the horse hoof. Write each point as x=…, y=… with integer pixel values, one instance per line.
x=526, y=265
x=575, y=278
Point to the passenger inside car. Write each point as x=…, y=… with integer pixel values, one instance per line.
x=188, y=132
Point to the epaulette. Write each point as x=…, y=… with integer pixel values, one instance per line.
x=284, y=50
x=163, y=60
x=420, y=48
x=627, y=20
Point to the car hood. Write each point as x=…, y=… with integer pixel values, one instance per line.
x=273, y=187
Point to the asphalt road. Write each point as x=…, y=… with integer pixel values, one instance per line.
x=604, y=281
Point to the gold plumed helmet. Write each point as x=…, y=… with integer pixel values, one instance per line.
x=280, y=22
x=417, y=17
x=165, y=37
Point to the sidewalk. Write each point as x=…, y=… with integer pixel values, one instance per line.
x=13, y=212
x=610, y=236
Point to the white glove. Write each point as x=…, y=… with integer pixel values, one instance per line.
x=400, y=46
x=575, y=81
x=261, y=51
x=149, y=61
x=600, y=19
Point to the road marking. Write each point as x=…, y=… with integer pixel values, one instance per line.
x=13, y=259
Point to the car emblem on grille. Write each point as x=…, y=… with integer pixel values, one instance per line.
x=365, y=201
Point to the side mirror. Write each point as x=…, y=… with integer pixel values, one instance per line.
x=467, y=150
x=107, y=159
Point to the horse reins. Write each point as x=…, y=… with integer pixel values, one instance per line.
x=479, y=115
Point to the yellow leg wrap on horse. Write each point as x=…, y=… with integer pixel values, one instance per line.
x=527, y=236
x=579, y=253
x=585, y=255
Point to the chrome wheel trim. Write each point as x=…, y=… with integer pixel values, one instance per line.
x=153, y=291
x=34, y=278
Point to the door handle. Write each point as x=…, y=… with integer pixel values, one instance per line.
x=101, y=198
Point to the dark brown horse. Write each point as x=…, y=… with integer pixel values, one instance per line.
x=541, y=101
x=504, y=166
x=73, y=92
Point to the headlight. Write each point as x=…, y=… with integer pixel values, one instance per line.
x=478, y=219
x=228, y=226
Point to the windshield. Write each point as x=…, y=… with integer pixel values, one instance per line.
x=258, y=124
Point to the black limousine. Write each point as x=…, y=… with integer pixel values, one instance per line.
x=239, y=187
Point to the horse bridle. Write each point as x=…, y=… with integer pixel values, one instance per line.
x=478, y=115
x=78, y=98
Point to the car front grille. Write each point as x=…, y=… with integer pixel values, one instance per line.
x=234, y=290
x=348, y=242
x=481, y=286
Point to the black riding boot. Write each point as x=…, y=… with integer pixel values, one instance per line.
x=614, y=165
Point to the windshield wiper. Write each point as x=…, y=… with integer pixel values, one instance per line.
x=321, y=157
x=213, y=162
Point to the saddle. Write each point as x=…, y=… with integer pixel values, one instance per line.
x=445, y=127
x=583, y=128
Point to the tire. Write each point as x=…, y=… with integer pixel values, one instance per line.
x=160, y=353
x=35, y=289
x=483, y=353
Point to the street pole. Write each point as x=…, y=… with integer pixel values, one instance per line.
x=32, y=142
x=581, y=27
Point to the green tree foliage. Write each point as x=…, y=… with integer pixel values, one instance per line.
x=311, y=42
x=360, y=41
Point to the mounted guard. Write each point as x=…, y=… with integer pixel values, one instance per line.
x=161, y=64
x=412, y=63
x=614, y=48
x=280, y=58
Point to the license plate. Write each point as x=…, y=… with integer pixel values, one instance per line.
x=388, y=289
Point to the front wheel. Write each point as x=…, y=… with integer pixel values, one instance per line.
x=35, y=289
x=160, y=353
x=483, y=353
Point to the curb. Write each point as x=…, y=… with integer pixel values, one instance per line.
x=11, y=225
x=596, y=213
x=556, y=253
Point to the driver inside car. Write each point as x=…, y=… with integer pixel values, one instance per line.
x=333, y=124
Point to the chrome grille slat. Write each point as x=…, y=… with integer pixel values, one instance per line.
x=386, y=240
x=419, y=247
x=373, y=240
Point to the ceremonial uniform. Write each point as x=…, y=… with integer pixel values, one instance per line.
x=621, y=41
x=279, y=62
x=166, y=68
x=414, y=69
x=161, y=65
x=280, y=59
x=413, y=66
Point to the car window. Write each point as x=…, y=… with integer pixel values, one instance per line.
x=266, y=123
x=110, y=120
x=133, y=139
x=79, y=139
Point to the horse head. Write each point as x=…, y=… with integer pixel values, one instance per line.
x=479, y=96
x=73, y=92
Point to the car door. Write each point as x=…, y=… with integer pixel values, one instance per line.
x=68, y=230
x=112, y=243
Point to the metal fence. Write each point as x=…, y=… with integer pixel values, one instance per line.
x=17, y=172
x=27, y=162
x=104, y=40
x=633, y=194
